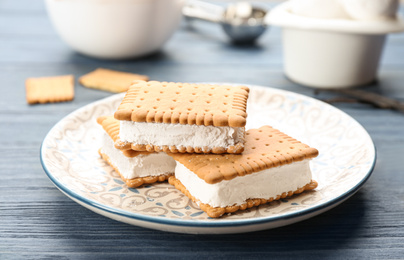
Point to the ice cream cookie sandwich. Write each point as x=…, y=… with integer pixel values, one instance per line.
x=272, y=166
x=183, y=118
x=134, y=167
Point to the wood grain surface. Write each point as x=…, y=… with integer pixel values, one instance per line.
x=38, y=222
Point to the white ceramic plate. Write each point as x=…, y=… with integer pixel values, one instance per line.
x=347, y=156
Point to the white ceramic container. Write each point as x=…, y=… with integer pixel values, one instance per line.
x=115, y=29
x=331, y=53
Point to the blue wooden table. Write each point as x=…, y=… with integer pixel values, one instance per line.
x=38, y=221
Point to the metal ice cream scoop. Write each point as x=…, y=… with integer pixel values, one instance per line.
x=242, y=22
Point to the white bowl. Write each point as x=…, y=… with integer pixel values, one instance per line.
x=115, y=29
x=331, y=53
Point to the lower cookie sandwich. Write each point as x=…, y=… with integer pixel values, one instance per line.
x=272, y=166
x=135, y=168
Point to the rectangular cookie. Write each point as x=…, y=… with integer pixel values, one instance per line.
x=49, y=89
x=272, y=166
x=135, y=168
x=183, y=117
x=110, y=80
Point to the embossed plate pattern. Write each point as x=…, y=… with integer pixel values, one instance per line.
x=347, y=156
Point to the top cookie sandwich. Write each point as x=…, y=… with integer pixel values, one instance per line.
x=183, y=117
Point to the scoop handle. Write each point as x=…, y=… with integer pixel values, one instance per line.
x=200, y=10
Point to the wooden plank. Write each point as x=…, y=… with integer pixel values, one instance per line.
x=38, y=221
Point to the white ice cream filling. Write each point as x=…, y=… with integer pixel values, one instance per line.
x=180, y=135
x=154, y=164
x=265, y=184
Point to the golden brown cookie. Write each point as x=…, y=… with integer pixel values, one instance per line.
x=232, y=149
x=265, y=148
x=49, y=89
x=216, y=212
x=110, y=80
x=184, y=103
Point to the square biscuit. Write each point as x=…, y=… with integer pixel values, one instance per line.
x=273, y=165
x=216, y=212
x=184, y=103
x=265, y=148
x=212, y=116
x=49, y=89
x=110, y=80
